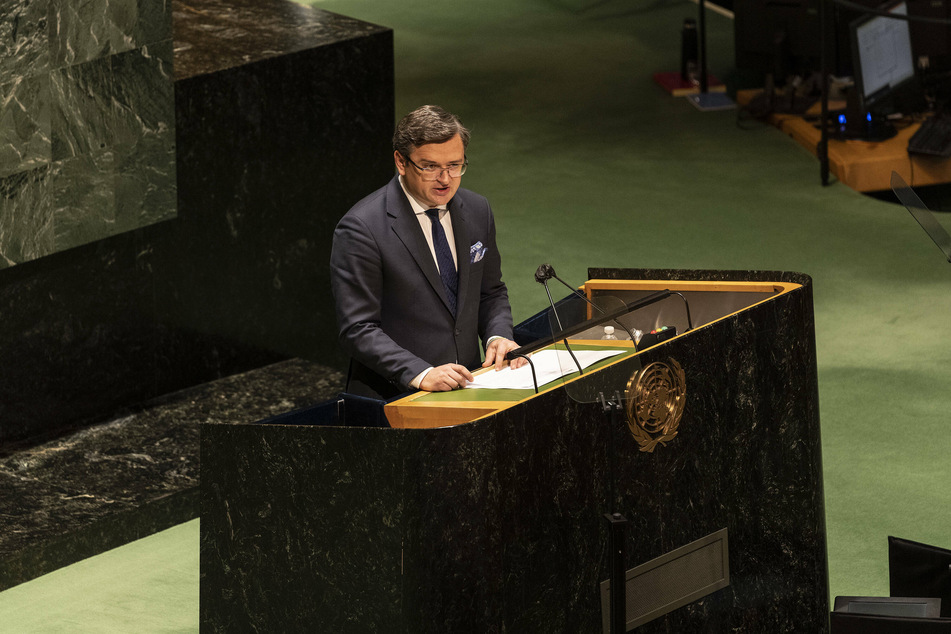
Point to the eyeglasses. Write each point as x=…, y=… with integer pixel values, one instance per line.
x=433, y=172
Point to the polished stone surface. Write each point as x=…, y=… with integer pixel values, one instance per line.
x=143, y=303
x=214, y=35
x=82, y=31
x=24, y=38
x=238, y=279
x=24, y=127
x=87, y=124
x=271, y=154
x=95, y=488
x=497, y=525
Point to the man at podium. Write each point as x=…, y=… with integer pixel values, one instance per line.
x=415, y=270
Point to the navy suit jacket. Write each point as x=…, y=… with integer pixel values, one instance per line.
x=392, y=311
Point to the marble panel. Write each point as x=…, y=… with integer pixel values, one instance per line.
x=108, y=98
x=747, y=458
x=154, y=22
x=238, y=279
x=26, y=216
x=104, y=485
x=84, y=31
x=556, y=483
x=143, y=93
x=145, y=182
x=25, y=128
x=214, y=35
x=271, y=155
x=145, y=178
x=24, y=38
x=114, y=136
x=84, y=200
x=454, y=538
x=78, y=337
x=83, y=110
x=312, y=550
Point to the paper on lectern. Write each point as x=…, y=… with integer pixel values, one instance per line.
x=550, y=365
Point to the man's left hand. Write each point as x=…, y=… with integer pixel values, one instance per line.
x=496, y=351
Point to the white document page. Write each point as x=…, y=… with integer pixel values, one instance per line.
x=549, y=366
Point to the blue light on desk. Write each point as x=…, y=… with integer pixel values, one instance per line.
x=868, y=117
x=842, y=119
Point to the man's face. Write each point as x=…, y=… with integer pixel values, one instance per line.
x=441, y=190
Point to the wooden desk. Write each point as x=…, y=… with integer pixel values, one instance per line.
x=861, y=165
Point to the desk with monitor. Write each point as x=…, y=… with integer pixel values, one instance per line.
x=862, y=165
x=878, y=48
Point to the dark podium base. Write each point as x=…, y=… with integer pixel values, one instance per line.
x=497, y=525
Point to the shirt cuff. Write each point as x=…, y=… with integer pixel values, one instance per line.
x=415, y=383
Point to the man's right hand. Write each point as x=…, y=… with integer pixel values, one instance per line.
x=444, y=378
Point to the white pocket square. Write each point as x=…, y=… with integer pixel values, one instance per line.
x=476, y=252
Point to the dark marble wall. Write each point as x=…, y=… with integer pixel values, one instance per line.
x=283, y=118
x=117, y=481
x=87, y=122
x=262, y=188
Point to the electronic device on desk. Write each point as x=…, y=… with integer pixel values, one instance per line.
x=884, y=73
x=933, y=138
x=656, y=336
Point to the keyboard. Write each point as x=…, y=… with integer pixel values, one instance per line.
x=933, y=137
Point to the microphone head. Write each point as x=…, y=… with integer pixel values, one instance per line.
x=544, y=273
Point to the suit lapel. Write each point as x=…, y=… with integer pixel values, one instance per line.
x=406, y=227
x=460, y=233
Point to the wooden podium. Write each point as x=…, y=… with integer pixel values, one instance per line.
x=485, y=512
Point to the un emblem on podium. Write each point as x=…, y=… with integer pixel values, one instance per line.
x=655, y=403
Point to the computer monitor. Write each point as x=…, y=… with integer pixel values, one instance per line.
x=883, y=65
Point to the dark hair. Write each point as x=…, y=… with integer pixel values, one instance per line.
x=427, y=124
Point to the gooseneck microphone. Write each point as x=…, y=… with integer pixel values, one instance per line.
x=542, y=275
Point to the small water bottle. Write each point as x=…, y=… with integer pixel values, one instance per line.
x=609, y=333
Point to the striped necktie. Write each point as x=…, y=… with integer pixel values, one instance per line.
x=447, y=268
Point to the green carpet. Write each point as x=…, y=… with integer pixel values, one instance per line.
x=150, y=585
x=588, y=163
